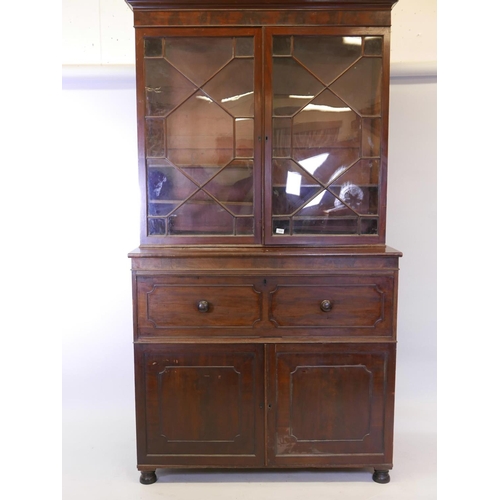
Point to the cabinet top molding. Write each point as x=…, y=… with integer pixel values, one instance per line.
x=158, y=5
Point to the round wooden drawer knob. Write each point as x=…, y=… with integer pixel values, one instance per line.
x=203, y=306
x=326, y=305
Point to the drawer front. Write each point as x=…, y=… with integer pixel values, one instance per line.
x=351, y=305
x=167, y=303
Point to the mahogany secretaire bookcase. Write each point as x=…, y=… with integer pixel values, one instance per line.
x=264, y=295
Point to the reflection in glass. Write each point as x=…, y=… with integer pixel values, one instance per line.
x=243, y=47
x=233, y=187
x=200, y=133
x=198, y=58
x=200, y=215
x=155, y=137
x=336, y=161
x=282, y=138
x=360, y=87
x=292, y=187
x=153, y=47
x=371, y=136
x=369, y=226
x=165, y=88
x=360, y=199
x=233, y=87
x=244, y=226
x=244, y=137
x=373, y=46
x=156, y=227
x=324, y=122
x=167, y=188
x=364, y=173
x=326, y=226
x=282, y=45
x=293, y=86
x=327, y=56
x=323, y=204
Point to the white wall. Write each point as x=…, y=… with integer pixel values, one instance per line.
x=98, y=32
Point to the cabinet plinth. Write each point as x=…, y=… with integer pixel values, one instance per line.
x=264, y=295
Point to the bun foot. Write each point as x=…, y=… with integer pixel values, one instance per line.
x=148, y=477
x=381, y=476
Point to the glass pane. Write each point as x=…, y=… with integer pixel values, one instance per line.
x=359, y=87
x=323, y=204
x=244, y=226
x=327, y=56
x=281, y=227
x=233, y=87
x=158, y=199
x=156, y=227
x=282, y=45
x=155, y=137
x=362, y=200
x=153, y=47
x=166, y=88
x=326, y=122
x=198, y=58
x=292, y=187
x=200, y=215
x=244, y=46
x=200, y=134
x=325, y=226
x=373, y=46
x=282, y=137
x=369, y=226
x=167, y=183
x=244, y=142
x=326, y=164
x=293, y=86
x=371, y=136
x=233, y=187
x=364, y=173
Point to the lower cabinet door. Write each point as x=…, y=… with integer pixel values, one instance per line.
x=200, y=404
x=330, y=404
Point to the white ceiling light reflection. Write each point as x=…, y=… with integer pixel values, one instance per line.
x=236, y=97
x=351, y=40
x=316, y=200
x=325, y=108
x=293, y=181
x=310, y=165
x=204, y=98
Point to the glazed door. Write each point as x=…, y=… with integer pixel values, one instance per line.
x=200, y=128
x=330, y=404
x=326, y=120
x=200, y=404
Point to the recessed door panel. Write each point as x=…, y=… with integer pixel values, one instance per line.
x=202, y=403
x=330, y=404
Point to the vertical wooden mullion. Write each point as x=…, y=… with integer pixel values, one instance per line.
x=268, y=131
x=258, y=161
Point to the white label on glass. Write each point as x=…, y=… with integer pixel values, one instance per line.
x=279, y=230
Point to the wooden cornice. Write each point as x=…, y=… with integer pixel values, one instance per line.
x=163, y=5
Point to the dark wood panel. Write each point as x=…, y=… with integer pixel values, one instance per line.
x=287, y=17
x=164, y=303
x=330, y=404
x=361, y=303
x=200, y=404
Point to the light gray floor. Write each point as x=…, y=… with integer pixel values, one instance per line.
x=99, y=463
